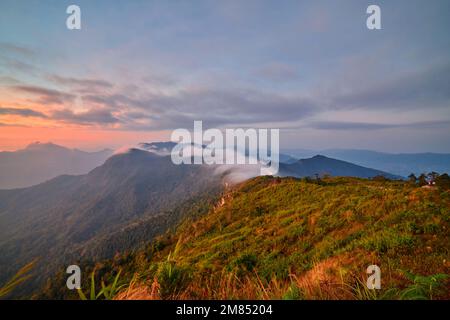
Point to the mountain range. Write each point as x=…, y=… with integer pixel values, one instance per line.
x=121, y=204
x=133, y=196
x=39, y=162
x=401, y=164
x=290, y=166
x=320, y=165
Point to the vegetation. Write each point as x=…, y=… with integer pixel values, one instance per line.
x=433, y=178
x=286, y=238
x=21, y=276
x=107, y=292
x=118, y=206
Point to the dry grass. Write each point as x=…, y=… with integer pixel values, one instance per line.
x=292, y=239
x=140, y=292
x=321, y=282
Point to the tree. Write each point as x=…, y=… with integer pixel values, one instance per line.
x=412, y=178
x=433, y=175
x=422, y=180
x=443, y=182
x=380, y=178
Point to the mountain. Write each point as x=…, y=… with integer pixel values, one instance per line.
x=119, y=206
x=287, y=238
x=132, y=196
x=40, y=162
x=285, y=158
x=322, y=165
x=401, y=164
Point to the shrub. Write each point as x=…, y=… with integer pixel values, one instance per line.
x=293, y=293
x=172, y=279
x=244, y=263
x=423, y=287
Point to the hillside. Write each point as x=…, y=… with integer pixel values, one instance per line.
x=132, y=197
x=40, y=162
x=321, y=165
x=297, y=239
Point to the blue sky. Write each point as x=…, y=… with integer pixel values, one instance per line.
x=143, y=68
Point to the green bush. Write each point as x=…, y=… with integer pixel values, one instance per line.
x=172, y=279
x=293, y=293
x=423, y=287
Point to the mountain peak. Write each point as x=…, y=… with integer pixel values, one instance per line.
x=39, y=162
x=319, y=156
x=43, y=146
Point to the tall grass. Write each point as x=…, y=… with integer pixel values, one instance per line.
x=21, y=276
x=107, y=292
x=301, y=240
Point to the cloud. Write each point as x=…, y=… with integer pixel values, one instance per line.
x=93, y=116
x=12, y=56
x=335, y=125
x=160, y=79
x=22, y=112
x=8, y=80
x=278, y=72
x=229, y=106
x=2, y=124
x=120, y=101
x=20, y=66
x=215, y=107
x=16, y=49
x=80, y=83
x=428, y=87
x=136, y=115
x=237, y=173
x=46, y=96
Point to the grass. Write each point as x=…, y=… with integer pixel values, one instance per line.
x=107, y=292
x=296, y=239
x=286, y=238
x=21, y=276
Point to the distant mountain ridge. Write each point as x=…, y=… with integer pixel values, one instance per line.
x=290, y=166
x=165, y=148
x=321, y=165
x=401, y=164
x=40, y=162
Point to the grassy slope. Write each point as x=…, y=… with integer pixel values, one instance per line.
x=289, y=238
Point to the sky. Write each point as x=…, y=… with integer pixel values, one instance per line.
x=139, y=69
